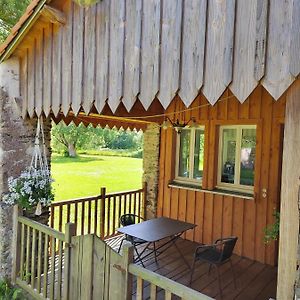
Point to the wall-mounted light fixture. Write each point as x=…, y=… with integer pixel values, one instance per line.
x=177, y=125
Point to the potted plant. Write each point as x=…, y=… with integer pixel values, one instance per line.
x=272, y=231
x=31, y=190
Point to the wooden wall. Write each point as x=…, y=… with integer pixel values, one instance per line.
x=223, y=215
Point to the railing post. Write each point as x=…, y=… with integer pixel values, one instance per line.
x=145, y=200
x=102, y=212
x=127, y=253
x=16, y=244
x=70, y=231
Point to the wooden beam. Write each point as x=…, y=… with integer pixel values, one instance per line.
x=289, y=211
x=53, y=15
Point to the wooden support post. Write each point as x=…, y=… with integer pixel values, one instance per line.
x=127, y=253
x=145, y=200
x=70, y=231
x=102, y=212
x=16, y=244
x=289, y=211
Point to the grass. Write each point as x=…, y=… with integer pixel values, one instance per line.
x=83, y=176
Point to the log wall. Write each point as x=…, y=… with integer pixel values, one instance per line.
x=224, y=215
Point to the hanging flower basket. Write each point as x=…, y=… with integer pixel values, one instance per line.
x=32, y=189
x=85, y=3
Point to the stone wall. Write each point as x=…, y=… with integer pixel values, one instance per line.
x=16, y=147
x=151, y=167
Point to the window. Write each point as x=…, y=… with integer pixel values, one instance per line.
x=190, y=155
x=237, y=157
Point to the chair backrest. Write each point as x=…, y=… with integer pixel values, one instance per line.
x=227, y=245
x=129, y=219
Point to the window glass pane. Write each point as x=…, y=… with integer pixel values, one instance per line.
x=228, y=155
x=198, y=154
x=184, y=154
x=248, y=156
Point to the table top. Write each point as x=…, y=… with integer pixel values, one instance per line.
x=156, y=229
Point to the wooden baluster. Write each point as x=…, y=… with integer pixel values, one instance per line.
x=16, y=244
x=60, y=265
x=125, y=204
x=139, y=205
x=68, y=212
x=39, y=266
x=60, y=218
x=102, y=212
x=22, y=251
x=168, y=295
x=52, y=274
x=120, y=209
x=28, y=238
x=130, y=203
x=46, y=264
x=52, y=216
x=82, y=216
x=76, y=215
x=95, y=216
x=153, y=291
x=33, y=258
x=144, y=200
x=139, y=288
x=108, y=215
x=89, y=216
x=134, y=204
x=114, y=215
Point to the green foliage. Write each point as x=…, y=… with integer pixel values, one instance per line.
x=272, y=231
x=10, y=12
x=8, y=292
x=89, y=138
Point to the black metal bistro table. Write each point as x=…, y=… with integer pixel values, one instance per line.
x=152, y=231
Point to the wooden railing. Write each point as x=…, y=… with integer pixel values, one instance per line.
x=168, y=286
x=99, y=214
x=41, y=257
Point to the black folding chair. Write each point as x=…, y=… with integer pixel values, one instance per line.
x=215, y=255
x=130, y=219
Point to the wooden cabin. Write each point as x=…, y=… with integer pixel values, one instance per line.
x=217, y=79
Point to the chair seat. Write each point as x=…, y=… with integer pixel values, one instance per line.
x=209, y=255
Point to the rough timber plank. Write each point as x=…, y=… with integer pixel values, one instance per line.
x=89, y=58
x=295, y=40
x=31, y=81
x=219, y=45
x=261, y=38
x=56, y=71
x=102, y=44
x=170, y=50
x=193, y=44
x=77, y=73
x=67, y=60
x=116, y=51
x=132, y=52
x=39, y=74
x=24, y=83
x=289, y=211
x=150, y=51
x=243, y=81
x=277, y=76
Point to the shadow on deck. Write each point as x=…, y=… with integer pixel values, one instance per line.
x=254, y=280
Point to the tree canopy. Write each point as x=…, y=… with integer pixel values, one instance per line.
x=10, y=13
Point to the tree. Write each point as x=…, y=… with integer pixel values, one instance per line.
x=10, y=13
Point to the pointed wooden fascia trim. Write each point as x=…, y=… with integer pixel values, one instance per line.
x=53, y=15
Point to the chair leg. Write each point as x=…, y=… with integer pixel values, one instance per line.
x=155, y=254
x=192, y=271
x=120, y=246
x=233, y=274
x=209, y=269
x=219, y=280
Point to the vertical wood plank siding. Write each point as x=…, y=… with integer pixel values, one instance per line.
x=119, y=51
x=224, y=215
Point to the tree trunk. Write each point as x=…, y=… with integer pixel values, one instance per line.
x=72, y=150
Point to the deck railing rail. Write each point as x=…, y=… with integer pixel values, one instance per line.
x=98, y=214
x=169, y=287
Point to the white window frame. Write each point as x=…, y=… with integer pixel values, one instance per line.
x=190, y=179
x=233, y=186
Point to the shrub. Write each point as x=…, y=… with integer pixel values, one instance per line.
x=8, y=292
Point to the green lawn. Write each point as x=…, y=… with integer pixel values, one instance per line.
x=85, y=175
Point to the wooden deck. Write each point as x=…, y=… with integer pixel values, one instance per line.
x=254, y=280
